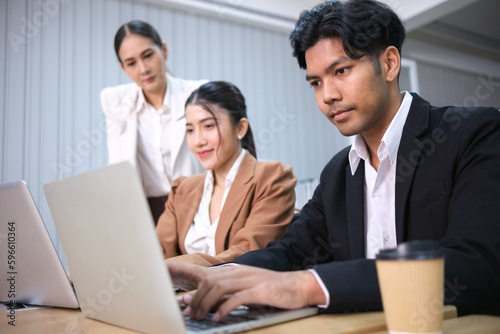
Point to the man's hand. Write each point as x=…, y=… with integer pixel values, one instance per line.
x=187, y=276
x=228, y=287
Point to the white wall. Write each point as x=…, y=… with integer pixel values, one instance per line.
x=453, y=77
x=56, y=58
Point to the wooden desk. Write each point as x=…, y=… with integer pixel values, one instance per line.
x=64, y=321
x=363, y=322
x=476, y=324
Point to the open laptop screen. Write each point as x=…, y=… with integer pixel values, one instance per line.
x=34, y=272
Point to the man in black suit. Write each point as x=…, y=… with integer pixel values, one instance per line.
x=414, y=172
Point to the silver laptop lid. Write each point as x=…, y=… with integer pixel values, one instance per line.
x=113, y=254
x=114, y=257
x=34, y=273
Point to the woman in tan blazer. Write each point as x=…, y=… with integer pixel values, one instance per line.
x=240, y=204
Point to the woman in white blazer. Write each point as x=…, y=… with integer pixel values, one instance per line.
x=145, y=119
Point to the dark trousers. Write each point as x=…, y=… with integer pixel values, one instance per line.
x=157, y=206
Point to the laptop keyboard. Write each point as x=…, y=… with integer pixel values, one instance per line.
x=206, y=323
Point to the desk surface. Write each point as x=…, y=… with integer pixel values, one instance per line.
x=476, y=324
x=65, y=321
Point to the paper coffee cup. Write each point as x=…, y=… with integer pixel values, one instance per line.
x=411, y=280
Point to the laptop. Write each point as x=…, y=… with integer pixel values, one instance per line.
x=32, y=273
x=115, y=259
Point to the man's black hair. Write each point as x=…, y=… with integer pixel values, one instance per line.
x=366, y=27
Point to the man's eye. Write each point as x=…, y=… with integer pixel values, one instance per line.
x=314, y=83
x=342, y=70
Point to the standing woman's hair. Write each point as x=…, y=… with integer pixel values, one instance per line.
x=138, y=28
x=226, y=96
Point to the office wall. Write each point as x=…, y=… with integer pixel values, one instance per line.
x=446, y=86
x=456, y=75
x=57, y=55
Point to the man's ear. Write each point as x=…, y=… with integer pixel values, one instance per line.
x=390, y=61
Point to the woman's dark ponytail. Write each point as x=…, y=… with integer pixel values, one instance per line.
x=248, y=143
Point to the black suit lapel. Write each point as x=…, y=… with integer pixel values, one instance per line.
x=355, y=210
x=409, y=155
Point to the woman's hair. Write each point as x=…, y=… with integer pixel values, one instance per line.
x=226, y=96
x=365, y=27
x=139, y=28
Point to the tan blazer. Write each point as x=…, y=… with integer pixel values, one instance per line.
x=258, y=210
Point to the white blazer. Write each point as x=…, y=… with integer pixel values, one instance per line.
x=120, y=105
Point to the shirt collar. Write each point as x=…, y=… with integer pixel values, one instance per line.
x=392, y=136
x=358, y=151
x=209, y=179
x=141, y=101
x=390, y=140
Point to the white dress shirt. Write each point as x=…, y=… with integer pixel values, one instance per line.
x=153, y=146
x=380, y=185
x=201, y=234
x=379, y=188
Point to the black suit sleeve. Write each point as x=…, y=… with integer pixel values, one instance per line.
x=472, y=239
